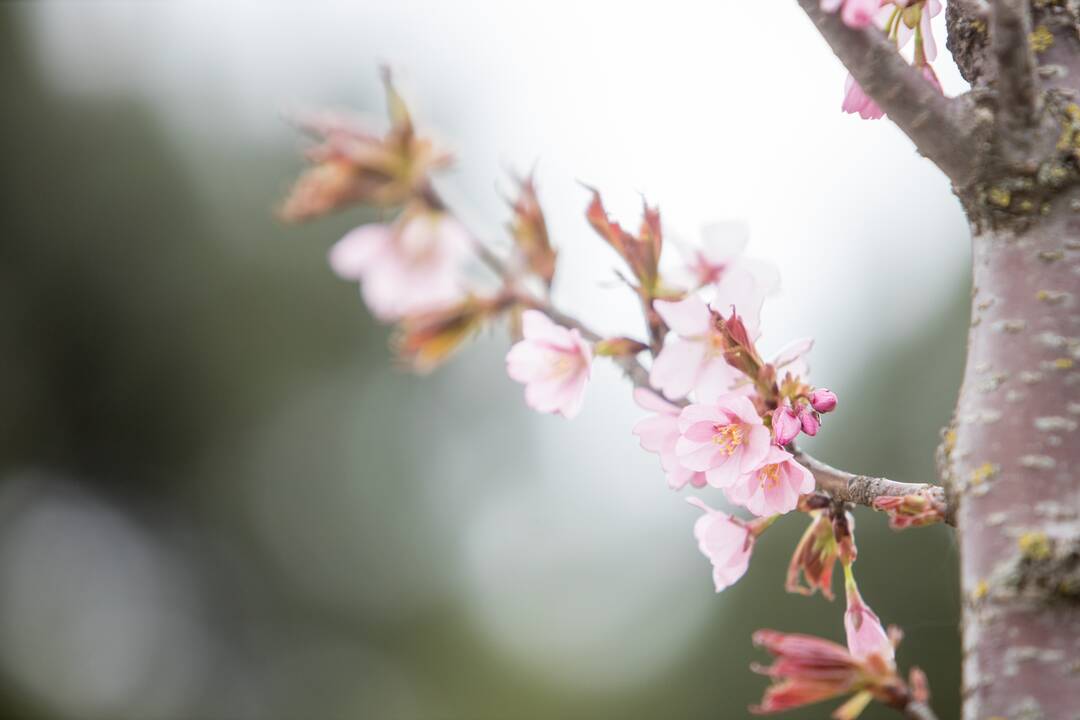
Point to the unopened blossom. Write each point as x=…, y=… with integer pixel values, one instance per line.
x=410, y=266
x=866, y=637
x=659, y=434
x=854, y=13
x=693, y=354
x=785, y=425
x=823, y=400
x=857, y=101
x=725, y=439
x=726, y=541
x=915, y=510
x=773, y=486
x=809, y=420
x=814, y=559
x=553, y=362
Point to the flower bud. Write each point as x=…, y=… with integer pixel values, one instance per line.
x=822, y=400
x=785, y=425
x=814, y=559
x=809, y=421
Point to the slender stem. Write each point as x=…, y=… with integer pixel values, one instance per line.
x=919, y=711
x=863, y=489
x=939, y=127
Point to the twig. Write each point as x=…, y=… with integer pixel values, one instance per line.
x=919, y=711
x=862, y=489
x=1017, y=85
x=939, y=127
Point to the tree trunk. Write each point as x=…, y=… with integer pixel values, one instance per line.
x=1012, y=458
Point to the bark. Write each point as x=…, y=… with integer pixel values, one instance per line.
x=1011, y=459
x=1014, y=467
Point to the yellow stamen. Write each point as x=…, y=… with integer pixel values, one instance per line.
x=769, y=475
x=728, y=437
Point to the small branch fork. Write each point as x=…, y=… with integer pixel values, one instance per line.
x=1017, y=83
x=939, y=127
x=863, y=489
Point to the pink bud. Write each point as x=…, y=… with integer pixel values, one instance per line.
x=824, y=401
x=809, y=420
x=785, y=425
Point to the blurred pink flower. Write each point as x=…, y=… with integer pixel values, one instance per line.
x=725, y=440
x=855, y=13
x=405, y=268
x=929, y=10
x=659, y=434
x=726, y=541
x=554, y=364
x=857, y=101
x=738, y=280
x=865, y=634
x=773, y=486
x=693, y=355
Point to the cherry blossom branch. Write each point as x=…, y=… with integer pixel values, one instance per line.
x=863, y=489
x=1017, y=85
x=938, y=126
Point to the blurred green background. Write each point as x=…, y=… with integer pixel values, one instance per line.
x=220, y=501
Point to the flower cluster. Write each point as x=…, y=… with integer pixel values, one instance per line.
x=902, y=21
x=721, y=417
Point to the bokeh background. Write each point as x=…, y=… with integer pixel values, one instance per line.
x=219, y=500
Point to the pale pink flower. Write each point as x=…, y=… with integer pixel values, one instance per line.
x=725, y=439
x=865, y=634
x=659, y=434
x=785, y=425
x=693, y=354
x=904, y=34
x=554, y=364
x=855, y=13
x=738, y=280
x=773, y=485
x=931, y=77
x=726, y=541
x=405, y=268
x=857, y=101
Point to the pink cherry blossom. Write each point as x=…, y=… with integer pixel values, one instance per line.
x=725, y=440
x=773, y=485
x=865, y=634
x=855, y=13
x=738, y=280
x=931, y=77
x=785, y=425
x=693, y=354
x=659, y=434
x=726, y=541
x=857, y=101
x=408, y=267
x=554, y=364
x=929, y=10
x=823, y=400
x=809, y=421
